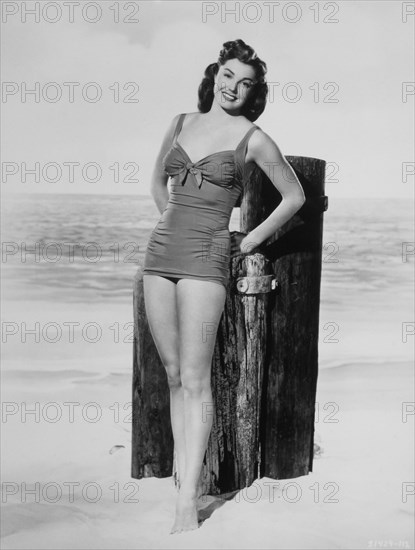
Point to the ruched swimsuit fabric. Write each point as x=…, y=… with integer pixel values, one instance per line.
x=191, y=239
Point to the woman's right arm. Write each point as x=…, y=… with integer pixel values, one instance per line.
x=159, y=179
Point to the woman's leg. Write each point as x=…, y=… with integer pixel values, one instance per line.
x=161, y=311
x=200, y=306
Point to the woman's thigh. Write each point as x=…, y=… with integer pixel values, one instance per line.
x=200, y=305
x=161, y=310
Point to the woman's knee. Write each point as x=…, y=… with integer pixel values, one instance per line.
x=195, y=384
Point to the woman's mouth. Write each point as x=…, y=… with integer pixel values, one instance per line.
x=228, y=97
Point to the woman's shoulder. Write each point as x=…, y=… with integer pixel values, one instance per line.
x=260, y=139
x=193, y=114
x=184, y=116
x=245, y=125
x=262, y=145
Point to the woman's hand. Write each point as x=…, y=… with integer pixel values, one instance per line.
x=242, y=243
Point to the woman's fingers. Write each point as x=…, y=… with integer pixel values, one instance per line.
x=248, y=247
x=236, y=239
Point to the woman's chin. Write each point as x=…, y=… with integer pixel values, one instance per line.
x=230, y=107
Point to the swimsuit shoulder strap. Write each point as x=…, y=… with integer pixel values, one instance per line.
x=244, y=141
x=178, y=126
x=240, y=152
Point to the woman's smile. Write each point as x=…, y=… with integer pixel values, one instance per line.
x=228, y=96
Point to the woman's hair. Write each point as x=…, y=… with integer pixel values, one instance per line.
x=257, y=98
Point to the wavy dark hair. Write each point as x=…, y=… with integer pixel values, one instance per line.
x=257, y=99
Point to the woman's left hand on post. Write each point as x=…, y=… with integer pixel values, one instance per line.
x=242, y=243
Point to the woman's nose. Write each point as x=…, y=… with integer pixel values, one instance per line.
x=230, y=85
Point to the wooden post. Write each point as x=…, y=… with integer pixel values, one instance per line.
x=264, y=368
x=152, y=436
x=290, y=379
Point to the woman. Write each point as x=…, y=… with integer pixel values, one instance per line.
x=208, y=155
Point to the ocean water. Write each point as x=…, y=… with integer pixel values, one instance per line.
x=78, y=254
x=84, y=248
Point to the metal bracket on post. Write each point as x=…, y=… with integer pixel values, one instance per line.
x=256, y=285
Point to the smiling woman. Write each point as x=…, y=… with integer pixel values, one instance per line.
x=186, y=264
x=238, y=75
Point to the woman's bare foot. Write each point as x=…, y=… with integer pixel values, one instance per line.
x=186, y=512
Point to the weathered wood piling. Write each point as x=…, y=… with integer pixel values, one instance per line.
x=265, y=363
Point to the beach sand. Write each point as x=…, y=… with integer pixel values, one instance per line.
x=359, y=495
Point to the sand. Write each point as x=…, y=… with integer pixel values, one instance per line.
x=359, y=495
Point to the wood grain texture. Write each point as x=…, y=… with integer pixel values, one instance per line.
x=290, y=378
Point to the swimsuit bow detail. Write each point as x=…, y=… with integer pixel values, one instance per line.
x=218, y=168
x=202, y=171
x=190, y=167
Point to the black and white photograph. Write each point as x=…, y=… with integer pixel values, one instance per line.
x=207, y=274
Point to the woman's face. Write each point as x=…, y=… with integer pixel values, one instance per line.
x=233, y=84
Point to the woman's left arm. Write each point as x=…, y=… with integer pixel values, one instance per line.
x=266, y=154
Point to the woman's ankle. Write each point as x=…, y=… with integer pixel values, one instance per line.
x=188, y=490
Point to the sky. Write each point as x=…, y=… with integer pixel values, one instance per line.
x=340, y=76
